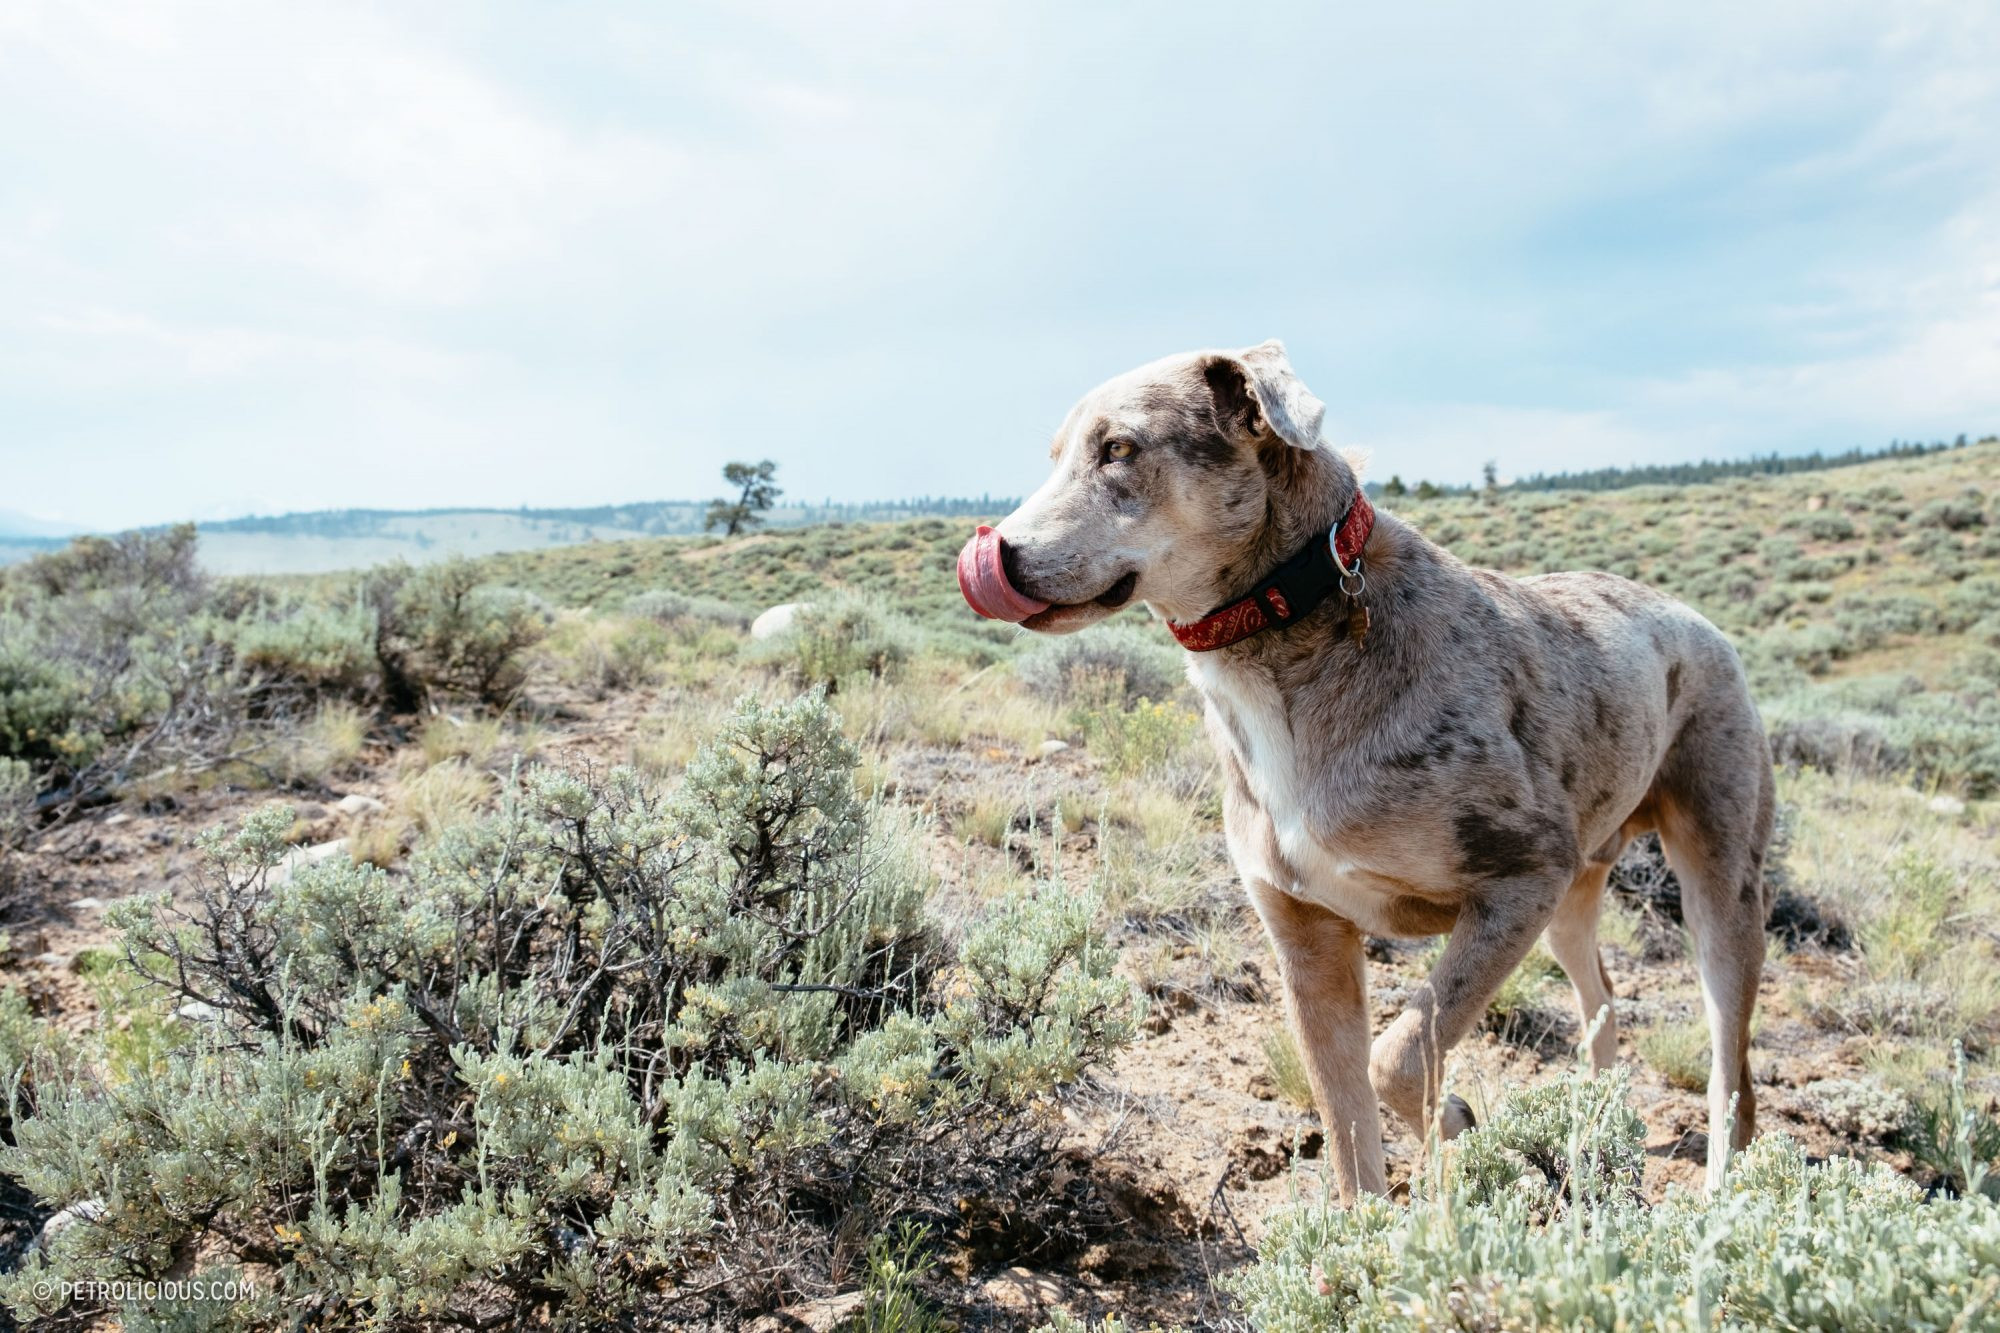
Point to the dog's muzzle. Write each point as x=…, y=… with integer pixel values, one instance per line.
x=982, y=577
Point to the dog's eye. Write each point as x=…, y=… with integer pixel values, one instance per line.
x=1117, y=451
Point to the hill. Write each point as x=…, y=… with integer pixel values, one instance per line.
x=466, y=791
x=336, y=539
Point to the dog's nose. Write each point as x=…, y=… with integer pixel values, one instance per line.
x=982, y=577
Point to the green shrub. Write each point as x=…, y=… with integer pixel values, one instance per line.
x=45, y=713
x=1956, y=1139
x=1830, y=525
x=440, y=629
x=1952, y=513
x=603, y=1050
x=1857, y=1109
x=17, y=797
x=320, y=650
x=1119, y=661
x=119, y=659
x=140, y=567
x=1541, y=1225
x=1572, y=1138
x=841, y=637
x=896, y=1264
x=606, y=654
x=1140, y=739
x=668, y=607
x=107, y=664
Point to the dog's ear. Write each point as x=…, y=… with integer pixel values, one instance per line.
x=1257, y=391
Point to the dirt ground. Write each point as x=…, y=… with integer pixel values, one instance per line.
x=1187, y=1139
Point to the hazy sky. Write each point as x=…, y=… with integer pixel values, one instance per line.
x=261, y=257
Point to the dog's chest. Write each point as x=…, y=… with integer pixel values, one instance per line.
x=1301, y=854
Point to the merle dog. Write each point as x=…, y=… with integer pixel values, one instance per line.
x=1411, y=746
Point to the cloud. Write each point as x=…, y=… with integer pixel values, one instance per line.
x=435, y=254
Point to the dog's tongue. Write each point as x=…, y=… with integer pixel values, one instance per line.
x=983, y=580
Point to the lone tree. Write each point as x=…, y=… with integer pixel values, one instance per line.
x=756, y=492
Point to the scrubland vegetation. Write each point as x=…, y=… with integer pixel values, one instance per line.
x=520, y=944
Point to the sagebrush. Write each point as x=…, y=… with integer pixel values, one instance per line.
x=605, y=1050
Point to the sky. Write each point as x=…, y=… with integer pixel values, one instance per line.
x=257, y=258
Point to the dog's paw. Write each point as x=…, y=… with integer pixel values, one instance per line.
x=1456, y=1117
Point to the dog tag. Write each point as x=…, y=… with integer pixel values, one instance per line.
x=1357, y=626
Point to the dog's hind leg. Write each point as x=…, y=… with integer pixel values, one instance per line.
x=1324, y=969
x=1715, y=800
x=1572, y=937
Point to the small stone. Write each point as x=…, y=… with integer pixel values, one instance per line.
x=777, y=620
x=195, y=1011
x=820, y=1316
x=52, y=960
x=354, y=803
x=87, y=905
x=1947, y=805
x=89, y=1210
x=300, y=857
x=1022, y=1290
x=122, y=817
x=1052, y=747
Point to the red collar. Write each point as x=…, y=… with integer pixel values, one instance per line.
x=1292, y=590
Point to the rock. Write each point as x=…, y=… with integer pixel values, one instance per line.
x=53, y=961
x=194, y=1011
x=300, y=857
x=89, y=1210
x=1022, y=1290
x=820, y=1316
x=87, y=905
x=776, y=620
x=1947, y=805
x=1052, y=747
x=354, y=803
x=122, y=817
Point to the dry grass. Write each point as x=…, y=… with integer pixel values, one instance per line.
x=1677, y=1052
x=1287, y=1067
x=667, y=741
x=988, y=819
x=377, y=840
x=1910, y=882
x=328, y=743
x=603, y=654
x=446, y=736
x=444, y=795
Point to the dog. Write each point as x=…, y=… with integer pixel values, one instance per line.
x=1410, y=746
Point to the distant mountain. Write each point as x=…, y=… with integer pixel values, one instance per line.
x=652, y=518
x=335, y=539
x=14, y=524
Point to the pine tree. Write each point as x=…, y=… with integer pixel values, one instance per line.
x=756, y=492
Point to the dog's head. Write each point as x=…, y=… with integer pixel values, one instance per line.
x=1163, y=483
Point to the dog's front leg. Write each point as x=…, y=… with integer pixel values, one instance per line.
x=1407, y=1063
x=1326, y=998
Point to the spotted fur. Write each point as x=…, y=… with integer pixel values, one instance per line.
x=1476, y=769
